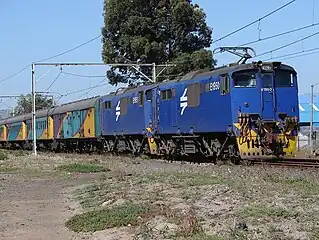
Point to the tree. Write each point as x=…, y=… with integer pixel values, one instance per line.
x=159, y=31
x=25, y=104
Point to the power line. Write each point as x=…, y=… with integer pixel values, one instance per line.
x=54, y=80
x=15, y=74
x=70, y=50
x=302, y=55
x=92, y=88
x=280, y=34
x=287, y=45
x=49, y=58
x=81, y=90
x=84, y=76
x=256, y=21
x=292, y=54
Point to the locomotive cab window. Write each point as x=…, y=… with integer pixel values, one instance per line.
x=246, y=79
x=284, y=78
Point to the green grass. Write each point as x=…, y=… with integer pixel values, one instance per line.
x=99, y=220
x=82, y=168
x=93, y=195
x=204, y=236
x=183, y=179
x=8, y=169
x=262, y=211
x=3, y=155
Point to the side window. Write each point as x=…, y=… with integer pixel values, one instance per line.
x=141, y=98
x=193, y=97
x=224, y=84
x=107, y=105
x=123, y=105
x=167, y=94
x=149, y=95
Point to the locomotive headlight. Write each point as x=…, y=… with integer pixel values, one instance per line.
x=266, y=68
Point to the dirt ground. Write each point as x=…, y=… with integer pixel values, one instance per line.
x=42, y=200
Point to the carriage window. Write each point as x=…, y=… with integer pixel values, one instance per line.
x=123, y=106
x=193, y=95
x=245, y=79
x=284, y=78
x=266, y=80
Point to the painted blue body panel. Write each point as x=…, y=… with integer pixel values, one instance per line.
x=113, y=122
x=68, y=127
x=41, y=125
x=13, y=131
x=76, y=121
x=211, y=115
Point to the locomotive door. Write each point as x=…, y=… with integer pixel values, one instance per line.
x=268, y=104
x=151, y=108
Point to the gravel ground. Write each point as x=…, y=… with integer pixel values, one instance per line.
x=186, y=201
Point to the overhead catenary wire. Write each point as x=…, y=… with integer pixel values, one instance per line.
x=70, y=50
x=288, y=44
x=295, y=55
x=92, y=88
x=292, y=54
x=253, y=22
x=15, y=74
x=280, y=34
x=56, y=78
x=84, y=76
x=52, y=57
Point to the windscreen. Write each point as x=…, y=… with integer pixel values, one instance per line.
x=245, y=79
x=284, y=78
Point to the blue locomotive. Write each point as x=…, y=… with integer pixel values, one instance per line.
x=239, y=111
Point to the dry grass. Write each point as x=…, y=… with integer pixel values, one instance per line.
x=188, y=201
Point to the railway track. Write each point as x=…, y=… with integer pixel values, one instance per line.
x=290, y=162
x=287, y=162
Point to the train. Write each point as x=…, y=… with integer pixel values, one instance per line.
x=238, y=111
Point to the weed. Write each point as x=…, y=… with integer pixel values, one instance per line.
x=93, y=195
x=190, y=226
x=3, y=155
x=82, y=168
x=182, y=179
x=204, y=236
x=98, y=220
x=18, y=153
x=263, y=211
x=146, y=232
x=8, y=169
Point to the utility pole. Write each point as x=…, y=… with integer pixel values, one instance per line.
x=132, y=65
x=33, y=112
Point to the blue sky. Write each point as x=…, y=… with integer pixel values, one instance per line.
x=34, y=29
